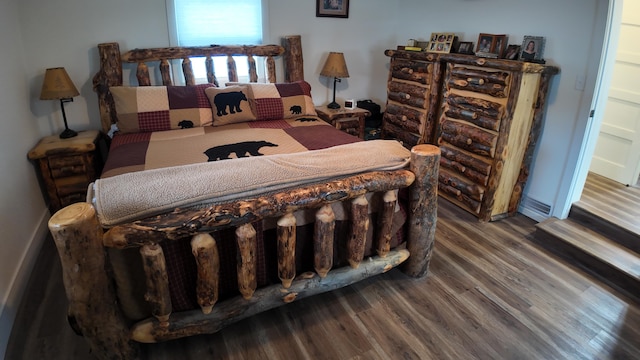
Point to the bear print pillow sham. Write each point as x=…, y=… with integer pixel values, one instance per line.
x=159, y=108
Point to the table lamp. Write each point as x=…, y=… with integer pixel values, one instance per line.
x=336, y=68
x=58, y=85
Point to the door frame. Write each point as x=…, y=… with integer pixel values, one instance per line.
x=572, y=189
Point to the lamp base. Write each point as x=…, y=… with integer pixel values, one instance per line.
x=333, y=105
x=68, y=133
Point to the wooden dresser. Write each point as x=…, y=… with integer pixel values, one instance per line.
x=412, y=98
x=486, y=116
x=67, y=166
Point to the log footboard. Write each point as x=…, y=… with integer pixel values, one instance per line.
x=81, y=242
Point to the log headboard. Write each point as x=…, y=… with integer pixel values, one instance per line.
x=111, y=62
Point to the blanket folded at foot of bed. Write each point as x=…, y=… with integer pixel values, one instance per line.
x=141, y=194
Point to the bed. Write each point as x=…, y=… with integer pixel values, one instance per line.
x=199, y=221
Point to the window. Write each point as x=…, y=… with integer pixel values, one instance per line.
x=220, y=22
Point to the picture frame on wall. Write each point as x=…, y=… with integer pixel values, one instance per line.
x=532, y=48
x=442, y=42
x=332, y=8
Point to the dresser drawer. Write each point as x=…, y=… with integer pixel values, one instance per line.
x=410, y=70
x=408, y=94
x=471, y=138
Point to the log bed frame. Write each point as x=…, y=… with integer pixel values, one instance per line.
x=81, y=240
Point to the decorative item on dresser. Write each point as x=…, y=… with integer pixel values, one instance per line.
x=67, y=166
x=350, y=121
x=489, y=115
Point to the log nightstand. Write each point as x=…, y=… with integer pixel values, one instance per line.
x=347, y=120
x=66, y=167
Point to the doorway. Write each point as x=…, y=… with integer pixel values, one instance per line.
x=617, y=152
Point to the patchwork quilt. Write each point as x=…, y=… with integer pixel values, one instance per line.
x=153, y=150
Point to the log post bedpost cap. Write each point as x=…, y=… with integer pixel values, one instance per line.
x=70, y=215
x=425, y=150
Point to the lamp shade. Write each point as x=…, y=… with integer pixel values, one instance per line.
x=335, y=66
x=57, y=85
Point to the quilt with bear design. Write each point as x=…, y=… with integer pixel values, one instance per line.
x=153, y=150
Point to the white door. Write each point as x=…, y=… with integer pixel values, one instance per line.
x=617, y=153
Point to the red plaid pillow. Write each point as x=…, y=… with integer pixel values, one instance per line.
x=159, y=108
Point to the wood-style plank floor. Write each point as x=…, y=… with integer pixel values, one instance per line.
x=490, y=294
x=612, y=201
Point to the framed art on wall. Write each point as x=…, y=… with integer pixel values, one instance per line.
x=332, y=8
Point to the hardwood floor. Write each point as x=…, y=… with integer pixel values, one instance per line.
x=612, y=201
x=490, y=293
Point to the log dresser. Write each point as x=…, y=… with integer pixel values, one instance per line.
x=350, y=121
x=485, y=114
x=67, y=166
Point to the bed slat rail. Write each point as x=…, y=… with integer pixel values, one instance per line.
x=111, y=60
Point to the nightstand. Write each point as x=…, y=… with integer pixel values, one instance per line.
x=347, y=120
x=66, y=167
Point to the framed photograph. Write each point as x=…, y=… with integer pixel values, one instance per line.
x=532, y=48
x=442, y=42
x=485, y=42
x=491, y=45
x=512, y=52
x=499, y=45
x=466, y=47
x=332, y=8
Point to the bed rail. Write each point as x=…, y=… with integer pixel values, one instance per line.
x=111, y=60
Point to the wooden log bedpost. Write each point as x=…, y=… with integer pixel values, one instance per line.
x=92, y=300
x=110, y=74
x=423, y=210
x=293, y=65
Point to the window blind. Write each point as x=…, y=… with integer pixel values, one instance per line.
x=220, y=22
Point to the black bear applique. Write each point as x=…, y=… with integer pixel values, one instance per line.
x=241, y=149
x=185, y=124
x=296, y=109
x=306, y=119
x=231, y=99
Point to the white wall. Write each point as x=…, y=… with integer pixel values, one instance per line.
x=52, y=33
x=22, y=211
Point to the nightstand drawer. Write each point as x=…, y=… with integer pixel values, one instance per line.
x=73, y=198
x=68, y=171
x=70, y=185
x=65, y=161
x=349, y=125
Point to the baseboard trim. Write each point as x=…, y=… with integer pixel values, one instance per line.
x=17, y=287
